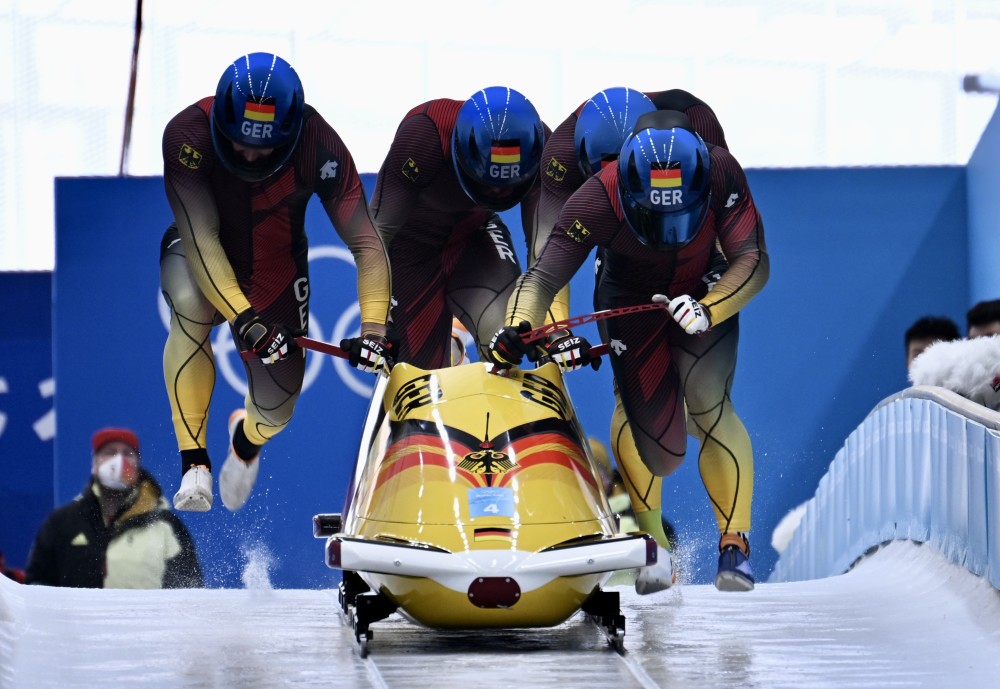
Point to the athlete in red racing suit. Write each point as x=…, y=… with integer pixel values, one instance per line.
x=239, y=170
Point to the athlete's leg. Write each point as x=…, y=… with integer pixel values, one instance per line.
x=645, y=490
x=188, y=371
x=273, y=389
x=649, y=387
x=188, y=362
x=707, y=364
x=272, y=392
x=645, y=383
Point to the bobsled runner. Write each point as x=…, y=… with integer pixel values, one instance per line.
x=475, y=503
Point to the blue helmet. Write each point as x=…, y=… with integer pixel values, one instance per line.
x=258, y=105
x=603, y=123
x=664, y=180
x=497, y=149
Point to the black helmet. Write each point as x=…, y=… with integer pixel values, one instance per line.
x=664, y=180
x=258, y=104
x=497, y=149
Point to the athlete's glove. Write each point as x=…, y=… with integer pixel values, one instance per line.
x=368, y=353
x=711, y=278
x=716, y=268
x=688, y=313
x=507, y=348
x=269, y=341
x=571, y=352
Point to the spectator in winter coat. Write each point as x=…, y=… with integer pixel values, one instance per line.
x=118, y=533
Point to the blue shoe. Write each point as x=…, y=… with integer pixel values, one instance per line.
x=735, y=573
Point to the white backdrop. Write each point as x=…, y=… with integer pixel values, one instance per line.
x=796, y=83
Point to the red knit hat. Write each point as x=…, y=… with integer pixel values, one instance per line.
x=110, y=435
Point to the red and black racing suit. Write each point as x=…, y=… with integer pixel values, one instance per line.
x=657, y=366
x=449, y=256
x=561, y=177
x=236, y=244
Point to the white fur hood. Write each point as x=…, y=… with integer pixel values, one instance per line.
x=969, y=367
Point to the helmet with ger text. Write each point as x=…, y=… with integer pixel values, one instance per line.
x=257, y=115
x=664, y=180
x=497, y=147
x=603, y=123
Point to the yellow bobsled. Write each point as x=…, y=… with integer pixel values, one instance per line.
x=475, y=503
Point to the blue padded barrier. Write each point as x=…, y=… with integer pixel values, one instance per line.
x=924, y=465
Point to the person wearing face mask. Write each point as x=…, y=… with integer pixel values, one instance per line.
x=118, y=532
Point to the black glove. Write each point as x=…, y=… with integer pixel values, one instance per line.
x=269, y=341
x=570, y=352
x=507, y=348
x=369, y=352
x=718, y=265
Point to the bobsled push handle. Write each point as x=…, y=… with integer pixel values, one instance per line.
x=546, y=330
x=320, y=346
x=597, y=350
x=308, y=343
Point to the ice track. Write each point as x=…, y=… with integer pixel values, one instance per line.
x=904, y=617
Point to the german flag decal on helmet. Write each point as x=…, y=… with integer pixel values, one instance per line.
x=259, y=112
x=505, y=152
x=665, y=175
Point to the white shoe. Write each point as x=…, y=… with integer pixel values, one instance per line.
x=237, y=476
x=195, y=493
x=657, y=577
